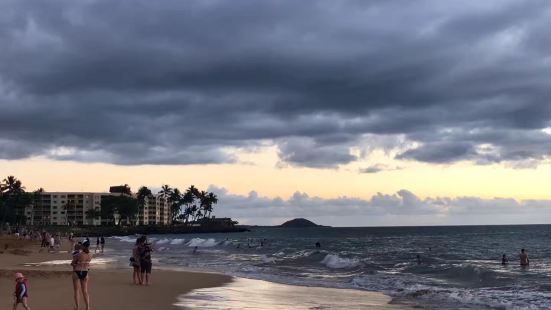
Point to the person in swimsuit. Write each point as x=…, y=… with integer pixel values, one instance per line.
x=21, y=292
x=135, y=262
x=524, y=261
x=81, y=264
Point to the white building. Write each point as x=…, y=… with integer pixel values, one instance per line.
x=64, y=208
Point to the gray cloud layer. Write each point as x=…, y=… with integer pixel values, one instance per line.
x=401, y=208
x=176, y=82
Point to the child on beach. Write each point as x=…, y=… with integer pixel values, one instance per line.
x=21, y=294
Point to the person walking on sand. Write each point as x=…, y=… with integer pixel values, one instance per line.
x=21, y=295
x=81, y=264
x=97, y=245
x=524, y=261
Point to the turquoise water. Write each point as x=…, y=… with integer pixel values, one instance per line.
x=460, y=266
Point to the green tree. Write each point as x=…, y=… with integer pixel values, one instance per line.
x=92, y=214
x=12, y=199
x=127, y=207
x=143, y=194
x=70, y=215
x=176, y=202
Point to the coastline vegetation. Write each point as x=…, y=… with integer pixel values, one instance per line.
x=190, y=211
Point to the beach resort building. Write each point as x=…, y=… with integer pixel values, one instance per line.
x=156, y=211
x=84, y=208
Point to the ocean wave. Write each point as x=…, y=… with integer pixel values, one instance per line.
x=202, y=243
x=127, y=239
x=267, y=259
x=163, y=241
x=177, y=241
x=336, y=262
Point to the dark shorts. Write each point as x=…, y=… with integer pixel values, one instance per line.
x=145, y=266
x=20, y=300
x=81, y=274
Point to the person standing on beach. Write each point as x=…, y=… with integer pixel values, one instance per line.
x=21, y=294
x=145, y=261
x=524, y=261
x=81, y=265
x=102, y=242
x=135, y=262
x=97, y=245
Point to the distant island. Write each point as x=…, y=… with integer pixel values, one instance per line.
x=300, y=222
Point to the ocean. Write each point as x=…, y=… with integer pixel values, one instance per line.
x=460, y=266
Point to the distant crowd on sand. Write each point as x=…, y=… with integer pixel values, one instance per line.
x=80, y=263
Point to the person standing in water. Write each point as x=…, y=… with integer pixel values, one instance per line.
x=524, y=261
x=504, y=260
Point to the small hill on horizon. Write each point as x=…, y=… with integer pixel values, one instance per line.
x=299, y=222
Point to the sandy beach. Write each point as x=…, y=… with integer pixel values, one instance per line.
x=50, y=286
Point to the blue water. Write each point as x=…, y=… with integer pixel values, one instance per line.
x=462, y=269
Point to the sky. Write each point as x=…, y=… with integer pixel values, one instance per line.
x=349, y=113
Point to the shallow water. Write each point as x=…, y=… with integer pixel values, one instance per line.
x=460, y=266
x=257, y=294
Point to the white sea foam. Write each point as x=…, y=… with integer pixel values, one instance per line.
x=95, y=261
x=177, y=241
x=163, y=241
x=268, y=259
x=202, y=243
x=337, y=262
x=126, y=239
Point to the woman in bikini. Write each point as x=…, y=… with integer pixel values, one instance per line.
x=81, y=264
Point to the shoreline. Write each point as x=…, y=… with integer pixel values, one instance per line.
x=50, y=286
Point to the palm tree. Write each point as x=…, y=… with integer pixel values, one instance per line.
x=37, y=203
x=176, y=202
x=212, y=200
x=166, y=190
x=11, y=192
x=188, y=200
x=68, y=207
x=143, y=194
x=203, y=202
x=92, y=214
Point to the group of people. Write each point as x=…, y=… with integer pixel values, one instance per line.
x=523, y=257
x=81, y=259
x=141, y=261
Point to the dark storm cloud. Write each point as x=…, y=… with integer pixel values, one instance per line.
x=144, y=82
